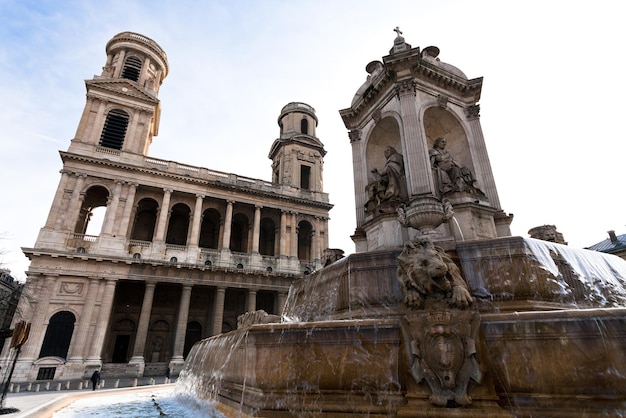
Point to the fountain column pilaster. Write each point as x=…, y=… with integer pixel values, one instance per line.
x=420, y=181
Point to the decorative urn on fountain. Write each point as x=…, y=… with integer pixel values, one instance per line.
x=425, y=213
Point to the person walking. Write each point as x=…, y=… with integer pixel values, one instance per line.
x=95, y=379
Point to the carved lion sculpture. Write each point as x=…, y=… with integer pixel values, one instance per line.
x=425, y=270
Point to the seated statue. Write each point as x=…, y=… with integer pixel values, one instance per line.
x=389, y=186
x=450, y=176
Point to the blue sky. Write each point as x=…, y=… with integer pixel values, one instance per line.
x=551, y=106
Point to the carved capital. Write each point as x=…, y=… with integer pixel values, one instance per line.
x=406, y=87
x=354, y=135
x=472, y=112
x=442, y=101
x=376, y=115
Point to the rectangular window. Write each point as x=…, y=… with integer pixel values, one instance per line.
x=46, y=373
x=305, y=177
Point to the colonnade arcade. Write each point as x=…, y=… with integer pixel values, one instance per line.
x=191, y=221
x=149, y=321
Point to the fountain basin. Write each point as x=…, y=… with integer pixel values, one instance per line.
x=551, y=340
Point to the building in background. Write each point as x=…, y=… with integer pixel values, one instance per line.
x=182, y=250
x=614, y=244
x=10, y=291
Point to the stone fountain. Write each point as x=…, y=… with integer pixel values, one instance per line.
x=440, y=312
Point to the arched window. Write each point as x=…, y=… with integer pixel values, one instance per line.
x=179, y=225
x=304, y=126
x=145, y=220
x=95, y=198
x=210, y=229
x=132, y=68
x=267, y=237
x=305, y=240
x=58, y=336
x=114, y=130
x=239, y=233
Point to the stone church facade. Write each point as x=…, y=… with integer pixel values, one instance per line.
x=183, y=250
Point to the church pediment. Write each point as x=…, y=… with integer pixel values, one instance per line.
x=121, y=87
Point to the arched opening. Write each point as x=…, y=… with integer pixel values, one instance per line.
x=305, y=240
x=95, y=197
x=192, y=335
x=114, y=130
x=58, y=336
x=267, y=237
x=239, y=233
x=305, y=177
x=210, y=229
x=178, y=225
x=96, y=220
x=132, y=68
x=145, y=220
x=304, y=126
x=385, y=134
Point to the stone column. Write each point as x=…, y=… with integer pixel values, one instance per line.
x=251, y=300
x=137, y=363
x=128, y=210
x=283, y=233
x=315, y=242
x=177, y=360
x=228, y=219
x=111, y=213
x=218, y=310
x=196, y=221
x=120, y=64
x=294, y=236
x=71, y=216
x=164, y=211
x=102, y=323
x=256, y=229
x=78, y=348
x=56, y=210
x=416, y=160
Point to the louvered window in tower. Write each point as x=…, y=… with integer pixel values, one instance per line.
x=114, y=129
x=132, y=67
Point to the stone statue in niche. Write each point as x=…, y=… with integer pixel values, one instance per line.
x=442, y=347
x=426, y=271
x=389, y=186
x=450, y=176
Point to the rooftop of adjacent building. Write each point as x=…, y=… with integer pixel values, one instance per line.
x=612, y=244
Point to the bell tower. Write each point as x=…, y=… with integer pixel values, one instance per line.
x=298, y=155
x=123, y=110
